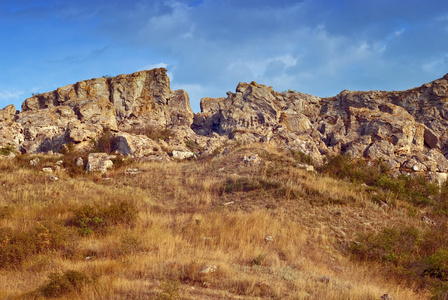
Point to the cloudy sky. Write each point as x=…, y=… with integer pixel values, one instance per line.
x=318, y=47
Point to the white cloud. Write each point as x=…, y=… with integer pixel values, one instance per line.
x=436, y=64
x=158, y=65
x=10, y=95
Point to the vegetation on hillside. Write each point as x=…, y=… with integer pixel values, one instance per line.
x=220, y=228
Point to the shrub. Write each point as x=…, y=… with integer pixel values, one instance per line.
x=245, y=184
x=153, y=132
x=16, y=246
x=91, y=219
x=170, y=290
x=60, y=284
x=301, y=157
x=193, y=146
x=415, y=189
x=398, y=246
x=130, y=243
x=104, y=143
x=259, y=259
x=438, y=264
x=7, y=150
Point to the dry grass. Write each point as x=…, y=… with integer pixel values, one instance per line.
x=215, y=212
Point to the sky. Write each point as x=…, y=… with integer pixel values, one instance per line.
x=319, y=47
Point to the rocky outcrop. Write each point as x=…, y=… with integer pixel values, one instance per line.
x=406, y=130
x=78, y=113
x=11, y=133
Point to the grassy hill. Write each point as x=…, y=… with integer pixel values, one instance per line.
x=220, y=228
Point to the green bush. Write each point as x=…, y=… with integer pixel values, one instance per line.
x=16, y=246
x=193, y=146
x=7, y=150
x=130, y=243
x=153, y=132
x=104, y=143
x=397, y=246
x=437, y=264
x=91, y=219
x=415, y=189
x=245, y=184
x=259, y=259
x=301, y=157
x=170, y=290
x=61, y=284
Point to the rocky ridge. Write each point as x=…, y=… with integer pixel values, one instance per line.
x=404, y=129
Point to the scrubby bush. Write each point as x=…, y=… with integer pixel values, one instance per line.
x=153, y=132
x=301, y=157
x=245, y=184
x=395, y=245
x=415, y=189
x=16, y=246
x=437, y=264
x=89, y=218
x=170, y=290
x=104, y=143
x=61, y=284
x=7, y=150
x=193, y=146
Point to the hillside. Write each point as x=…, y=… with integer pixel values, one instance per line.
x=263, y=226
x=112, y=188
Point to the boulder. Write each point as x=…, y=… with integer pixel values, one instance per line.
x=139, y=147
x=99, y=162
x=181, y=155
x=7, y=113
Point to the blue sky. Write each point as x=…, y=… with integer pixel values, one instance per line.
x=208, y=46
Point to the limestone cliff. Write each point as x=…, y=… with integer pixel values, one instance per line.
x=79, y=112
x=405, y=129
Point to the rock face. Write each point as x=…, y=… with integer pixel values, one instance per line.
x=78, y=113
x=406, y=130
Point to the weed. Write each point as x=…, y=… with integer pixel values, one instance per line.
x=415, y=189
x=7, y=150
x=301, y=157
x=170, y=290
x=259, y=259
x=6, y=212
x=104, y=143
x=61, y=284
x=130, y=244
x=90, y=219
x=16, y=246
x=398, y=246
x=438, y=264
x=194, y=147
x=245, y=184
x=153, y=132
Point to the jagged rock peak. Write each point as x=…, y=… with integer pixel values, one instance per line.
x=78, y=113
x=144, y=94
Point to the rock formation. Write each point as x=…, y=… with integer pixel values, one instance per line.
x=406, y=130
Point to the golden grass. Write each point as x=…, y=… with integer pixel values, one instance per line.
x=184, y=225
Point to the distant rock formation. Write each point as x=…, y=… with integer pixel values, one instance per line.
x=406, y=129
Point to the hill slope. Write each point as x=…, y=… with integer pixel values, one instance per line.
x=251, y=223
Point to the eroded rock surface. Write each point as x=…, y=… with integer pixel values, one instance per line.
x=406, y=130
